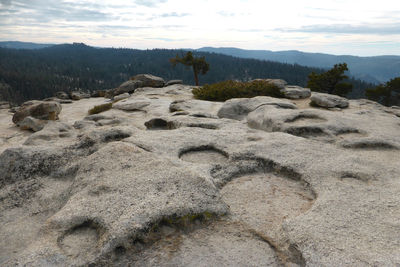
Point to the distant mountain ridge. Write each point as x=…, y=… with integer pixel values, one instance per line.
x=23, y=45
x=377, y=69
x=39, y=73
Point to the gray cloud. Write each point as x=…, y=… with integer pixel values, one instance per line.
x=47, y=10
x=382, y=29
x=5, y=2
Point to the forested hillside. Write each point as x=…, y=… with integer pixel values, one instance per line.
x=36, y=74
x=376, y=69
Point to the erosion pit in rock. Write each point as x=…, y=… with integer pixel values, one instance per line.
x=249, y=182
x=263, y=202
x=204, y=154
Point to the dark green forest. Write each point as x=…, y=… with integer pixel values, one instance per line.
x=37, y=74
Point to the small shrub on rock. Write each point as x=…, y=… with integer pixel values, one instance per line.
x=223, y=91
x=100, y=108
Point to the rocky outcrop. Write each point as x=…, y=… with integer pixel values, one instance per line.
x=164, y=179
x=238, y=108
x=40, y=110
x=62, y=95
x=149, y=80
x=329, y=101
x=78, y=95
x=172, y=82
x=121, y=96
x=30, y=123
x=296, y=92
x=140, y=80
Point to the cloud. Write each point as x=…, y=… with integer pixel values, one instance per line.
x=165, y=39
x=150, y=3
x=226, y=14
x=47, y=10
x=382, y=29
x=174, y=14
x=5, y=2
x=246, y=30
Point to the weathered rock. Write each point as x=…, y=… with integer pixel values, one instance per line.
x=52, y=133
x=77, y=95
x=196, y=108
x=238, y=108
x=92, y=210
x=132, y=104
x=61, y=101
x=282, y=186
x=172, y=82
x=99, y=93
x=296, y=92
x=62, y=95
x=30, y=123
x=121, y=96
x=149, y=80
x=140, y=80
x=4, y=105
x=38, y=110
x=18, y=164
x=329, y=101
x=126, y=87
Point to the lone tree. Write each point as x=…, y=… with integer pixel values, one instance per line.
x=198, y=64
x=330, y=81
x=387, y=94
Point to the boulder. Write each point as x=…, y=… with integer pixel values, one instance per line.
x=30, y=123
x=62, y=95
x=172, y=82
x=126, y=87
x=296, y=92
x=140, y=80
x=99, y=93
x=121, y=96
x=328, y=101
x=37, y=109
x=77, y=95
x=149, y=80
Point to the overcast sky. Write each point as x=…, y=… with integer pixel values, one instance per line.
x=357, y=27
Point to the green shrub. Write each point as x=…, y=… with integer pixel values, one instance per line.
x=100, y=108
x=223, y=91
x=387, y=94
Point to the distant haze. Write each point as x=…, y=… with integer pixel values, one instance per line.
x=357, y=27
x=378, y=69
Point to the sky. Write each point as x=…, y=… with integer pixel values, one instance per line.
x=340, y=27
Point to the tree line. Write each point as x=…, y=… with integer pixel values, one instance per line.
x=37, y=74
